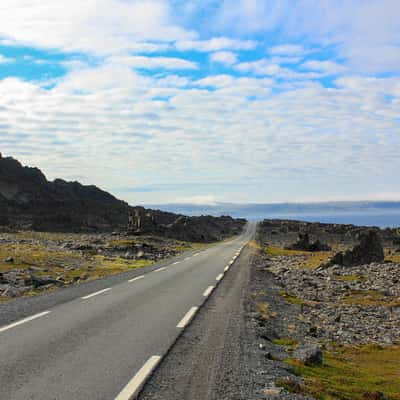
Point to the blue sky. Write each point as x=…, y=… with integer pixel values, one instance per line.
x=164, y=101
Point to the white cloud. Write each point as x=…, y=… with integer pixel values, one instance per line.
x=366, y=33
x=325, y=67
x=243, y=130
x=266, y=67
x=94, y=26
x=216, y=81
x=6, y=60
x=224, y=57
x=216, y=44
x=171, y=63
x=288, y=50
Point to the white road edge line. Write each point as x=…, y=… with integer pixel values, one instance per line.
x=95, y=294
x=177, y=262
x=195, y=255
x=219, y=277
x=187, y=258
x=23, y=321
x=136, y=279
x=160, y=269
x=188, y=317
x=208, y=291
x=131, y=390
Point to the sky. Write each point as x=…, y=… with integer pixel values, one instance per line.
x=166, y=101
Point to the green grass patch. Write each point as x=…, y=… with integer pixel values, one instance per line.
x=285, y=342
x=295, y=300
x=263, y=309
x=280, y=251
x=370, y=298
x=394, y=258
x=315, y=260
x=350, y=278
x=350, y=373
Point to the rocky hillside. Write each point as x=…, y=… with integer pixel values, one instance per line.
x=29, y=201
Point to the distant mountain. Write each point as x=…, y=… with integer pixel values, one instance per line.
x=29, y=201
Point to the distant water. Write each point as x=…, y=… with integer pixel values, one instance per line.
x=381, y=220
x=382, y=214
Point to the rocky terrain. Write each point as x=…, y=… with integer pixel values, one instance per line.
x=28, y=201
x=327, y=322
x=34, y=262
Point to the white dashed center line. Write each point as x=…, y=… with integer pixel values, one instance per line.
x=136, y=279
x=95, y=293
x=226, y=268
x=208, y=291
x=131, y=390
x=160, y=269
x=23, y=321
x=219, y=277
x=187, y=318
x=177, y=262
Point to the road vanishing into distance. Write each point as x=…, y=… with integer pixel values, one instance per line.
x=105, y=344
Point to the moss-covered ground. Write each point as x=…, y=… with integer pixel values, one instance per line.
x=353, y=373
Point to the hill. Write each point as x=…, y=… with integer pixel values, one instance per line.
x=29, y=201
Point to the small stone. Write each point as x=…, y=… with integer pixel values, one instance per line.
x=373, y=396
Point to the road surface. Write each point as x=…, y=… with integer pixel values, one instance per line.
x=104, y=344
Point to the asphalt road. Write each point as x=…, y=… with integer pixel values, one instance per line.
x=104, y=344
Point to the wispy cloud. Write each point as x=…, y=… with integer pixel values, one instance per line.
x=216, y=44
x=224, y=57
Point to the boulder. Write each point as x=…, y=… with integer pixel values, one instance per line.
x=308, y=354
x=369, y=250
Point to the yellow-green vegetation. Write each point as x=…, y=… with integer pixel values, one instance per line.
x=350, y=373
x=296, y=300
x=26, y=255
x=106, y=266
x=286, y=342
x=350, y=278
x=263, y=309
x=41, y=254
x=253, y=245
x=394, y=258
x=68, y=264
x=280, y=251
x=312, y=259
x=370, y=298
x=315, y=260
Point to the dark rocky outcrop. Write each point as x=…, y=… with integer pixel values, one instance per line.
x=29, y=201
x=304, y=244
x=368, y=251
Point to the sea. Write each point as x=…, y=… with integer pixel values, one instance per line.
x=381, y=214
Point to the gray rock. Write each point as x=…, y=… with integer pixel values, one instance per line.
x=309, y=354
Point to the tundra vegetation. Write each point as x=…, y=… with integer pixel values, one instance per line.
x=34, y=262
